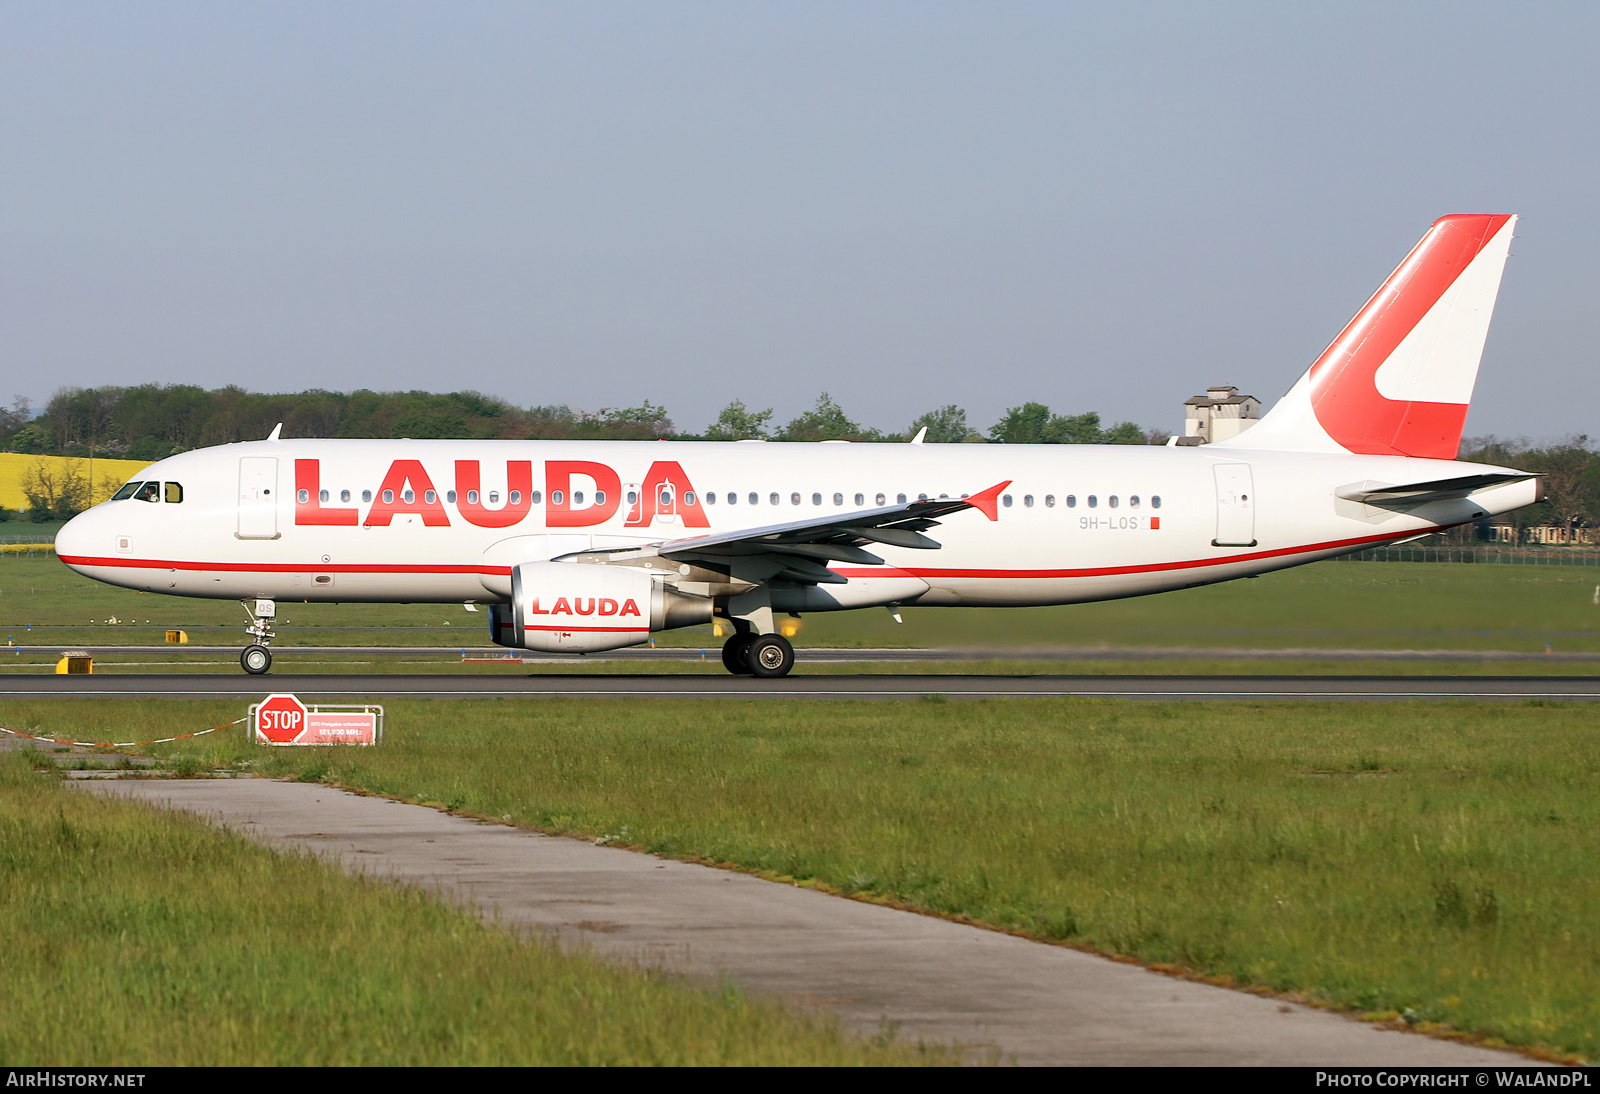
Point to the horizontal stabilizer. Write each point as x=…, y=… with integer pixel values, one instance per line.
x=1416, y=493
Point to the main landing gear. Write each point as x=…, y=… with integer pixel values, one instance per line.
x=765, y=655
x=257, y=658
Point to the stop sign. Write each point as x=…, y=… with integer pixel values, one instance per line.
x=280, y=719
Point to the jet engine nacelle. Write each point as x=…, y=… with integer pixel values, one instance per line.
x=576, y=607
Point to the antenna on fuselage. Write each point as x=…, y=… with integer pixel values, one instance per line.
x=273, y=436
x=921, y=433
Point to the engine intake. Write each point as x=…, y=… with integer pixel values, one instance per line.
x=573, y=607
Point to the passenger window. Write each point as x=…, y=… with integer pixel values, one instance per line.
x=1093, y=501
x=577, y=497
x=388, y=497
x=733, y=499
x=366, y=495
x=556, y=497
x=666, y=497
x=1133, y=502
x=773, y=498
x=711, y=498
x=1112, y=501
x=535, y=498
x=472, y=497
x=633, y=497
x=303, y=496
x=880, y=499
x=516, y=497
x=322, y=495
x=924, y=497
x=1155, y=501
x=494, y=497
x=427, y=495
x=838, y=499
x=816, y=499
x=688, y=497
x=126, y=492
x=899, y=499
x=1049, y=501
x=1027, y=499
x=794, y=499
x=1005, y=499
x=861, y=499
x=344, y=495
x=409, y=497
x=600, y=497
x=450, y=496
x=1072, y=501
x=174, y=493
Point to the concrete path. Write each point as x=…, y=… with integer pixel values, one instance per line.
x=1035, y=1003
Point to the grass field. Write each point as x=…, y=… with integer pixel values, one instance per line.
x=1331, y=605
x=136, y=937
x=1431, y=861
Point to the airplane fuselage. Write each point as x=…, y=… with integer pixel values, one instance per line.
x=443, y=521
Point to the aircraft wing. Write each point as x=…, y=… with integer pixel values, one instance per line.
x=1416, y=493
x=802, y=548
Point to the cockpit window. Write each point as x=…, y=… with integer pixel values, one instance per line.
x=150, y=491
x=174, y=493
x=126, y=491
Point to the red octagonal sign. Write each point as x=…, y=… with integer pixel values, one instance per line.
x=280, y=719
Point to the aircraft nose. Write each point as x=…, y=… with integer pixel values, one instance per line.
x=76, y=542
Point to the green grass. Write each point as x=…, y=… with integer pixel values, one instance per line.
x=1433, y=860
x=137, y=937
x=1330, y=605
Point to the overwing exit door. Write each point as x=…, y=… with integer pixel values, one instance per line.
x=258, y=497
x=1236, y=506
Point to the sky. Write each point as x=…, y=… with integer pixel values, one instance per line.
x=1095, y=206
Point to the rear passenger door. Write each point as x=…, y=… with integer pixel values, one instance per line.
x=1236, y=506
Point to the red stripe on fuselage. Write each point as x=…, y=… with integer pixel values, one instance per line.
x=844, y=571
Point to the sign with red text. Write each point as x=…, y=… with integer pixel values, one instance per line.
x=282, y=719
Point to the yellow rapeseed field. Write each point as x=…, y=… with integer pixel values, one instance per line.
x=106, y=472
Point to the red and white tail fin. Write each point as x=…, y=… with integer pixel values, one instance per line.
x=1398, y=380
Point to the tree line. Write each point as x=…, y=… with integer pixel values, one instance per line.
x=153, y=421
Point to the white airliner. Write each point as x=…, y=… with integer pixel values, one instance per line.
x=592, y=545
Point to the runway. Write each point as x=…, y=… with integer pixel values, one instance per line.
x=820, y=686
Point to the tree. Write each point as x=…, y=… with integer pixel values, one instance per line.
x=825, y=422
x=735, y=423
x=947, y=425
x=1078, y=429
x=1571, y=474
x=646, y=422
x=55, y=489
x=1125, y=433
x=1025, y=424
x=1032, y=423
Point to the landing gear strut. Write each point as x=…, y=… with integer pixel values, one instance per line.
x=257, y=658
x=766, y=655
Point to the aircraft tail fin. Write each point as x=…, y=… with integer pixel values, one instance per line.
x=1398, y=379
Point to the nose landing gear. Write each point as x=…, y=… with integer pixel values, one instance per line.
x=257, y=658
